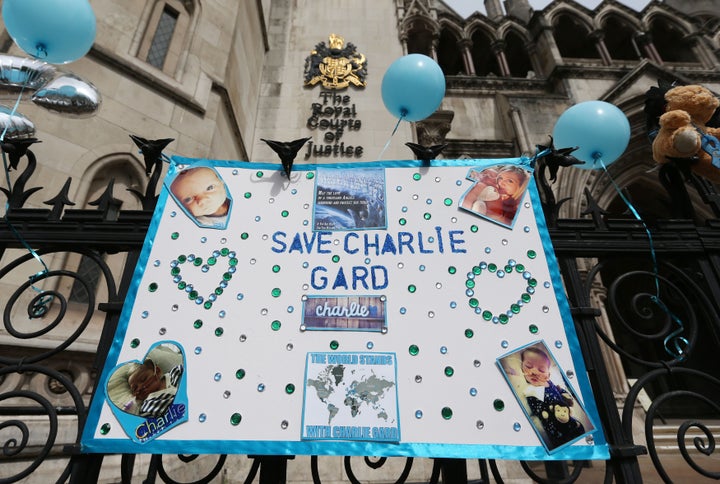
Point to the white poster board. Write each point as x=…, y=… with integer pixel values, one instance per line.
x=354, y=309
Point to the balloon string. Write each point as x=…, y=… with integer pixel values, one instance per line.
x=674, y=339
x=390, y=138
x=40, y=306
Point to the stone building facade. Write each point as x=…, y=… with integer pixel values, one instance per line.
x=218, y=75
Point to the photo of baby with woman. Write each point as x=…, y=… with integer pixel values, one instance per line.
x=545, y=395
x=497, y=192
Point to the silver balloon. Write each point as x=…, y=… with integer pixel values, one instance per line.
x=15, y=125
x=20, y=75
x=69, y=95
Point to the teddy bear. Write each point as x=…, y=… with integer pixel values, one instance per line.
x=684, y=134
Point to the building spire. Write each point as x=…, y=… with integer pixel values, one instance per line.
x=493, y=9
x=519, y=8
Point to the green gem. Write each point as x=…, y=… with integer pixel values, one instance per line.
x=219, y=331
x=412, y=288
x=487, y=315
x=174, y=271
x=519, y=268
x=240, y=374
x=477, y=270
x=531, y=254
x=508, y=269
x=182, y=285
x=182, y=259
x=427, y=216
x=334, y=345
x=244, y=235
x=336, y=258
x=218, y=291
x=413, y=350
x=236, y=417
x=515, y=308
x=469, y=333
x=473, y=302
x=446, y=413
x=224, y=251
x=105, y=429
x=233, y=261
x=503, y=318
x=227, y=276
x=135, y=343
x=276, y=292
x=276, y=268
x=533, y=329
x=470, y=283
x=447, y=202
x=175, y=235
x=532, y=282
x=275, y=325
x=473, y=228
x=284, y=213
x=248, y=194
x=499, y=405
x=211, y=261
x=452, y=270
x=198, y=262
x=492, y=267
x=449, y=371
x=416, y=176
x=193, y=295
x=289, y=388
x=525, y=297
x=207, y=304
x=402, y=221
x=153, y=287
x=259, y=174
x=310, y=175
x=198, y=324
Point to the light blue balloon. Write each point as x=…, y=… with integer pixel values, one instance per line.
x=600, y=130
x=413, y=87
x=55, y=31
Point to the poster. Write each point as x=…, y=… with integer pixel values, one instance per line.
x=353, y=309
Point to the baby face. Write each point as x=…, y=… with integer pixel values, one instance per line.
x=201, y=192
x=536, y=369
x=145, y=381
x=508, y=183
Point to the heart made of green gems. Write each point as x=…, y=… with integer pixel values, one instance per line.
x=191, y=260
x=511, y=269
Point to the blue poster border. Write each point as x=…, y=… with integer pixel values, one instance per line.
x=89, y=444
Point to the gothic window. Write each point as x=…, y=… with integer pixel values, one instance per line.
x=124, y=174
x=619, y=39
x=449, y=54
x=165, y=34
x=573, y=38
x=483, y=55
x=670, y=41
x=420, y=41
x=516, y=55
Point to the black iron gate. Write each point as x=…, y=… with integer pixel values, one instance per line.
x=644, y=301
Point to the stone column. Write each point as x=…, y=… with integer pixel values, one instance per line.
x=498, y=47
x=599, y=38
x=644, y=41
x=432, y=130
x=493, y=9
x=464, y=46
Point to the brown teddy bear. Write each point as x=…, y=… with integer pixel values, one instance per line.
x=683, y=133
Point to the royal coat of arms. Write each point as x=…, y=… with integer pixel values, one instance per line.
x=336, y=66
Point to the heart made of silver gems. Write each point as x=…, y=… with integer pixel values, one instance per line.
x=511, y=268
x=192, y=260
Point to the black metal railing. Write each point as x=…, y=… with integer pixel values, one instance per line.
x=656, y=316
